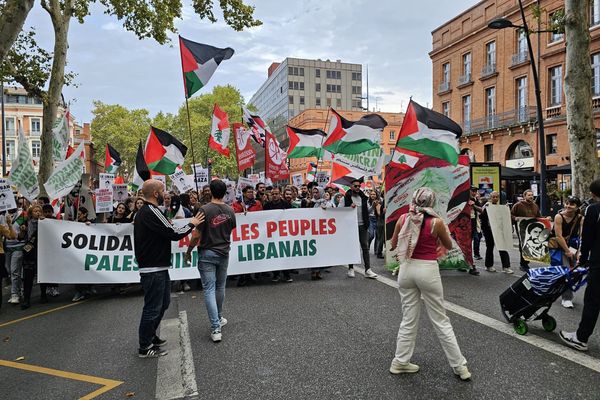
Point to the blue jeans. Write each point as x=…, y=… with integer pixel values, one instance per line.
x=14, y=266
x=157, y=297
x=213, y=272
x=372, y=229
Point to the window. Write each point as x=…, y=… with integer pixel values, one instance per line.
x=290, y=70
x=490, y=54
x=357, y=76
x=467, y=66
x=356, y=90
x=521, y=85
x=467, y=113
x=318, y=73
x=36, y=148
x=594, y=12
x=596, y=74
x=554, y=19
x=11, y=152
x=551, y=144
x=555, y=85
x=301, y=70
x=339, y=103
x=446, y=108
x=445, y=72
x=328, y=102
x=488, y=152
x=338, y=88
x=291, y=99
x=301, y=100
x=301, y=85
x=490, y=106
x=392, y=135
x=9, y=125
x=318, y=102
x=357, y=104
x=291, y=85
x=317, y=87
x=36, y=126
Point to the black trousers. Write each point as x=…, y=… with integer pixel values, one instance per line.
x=379, y=238
x=591, y=305
x=489, y=251
x=28, y=278
x=524, y=263
x=363, y=238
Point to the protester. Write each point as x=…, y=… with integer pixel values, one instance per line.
x=418, y=233
x=355, y=198
x=172, y=207
x=213, y=254
x=316, y=201
x=82, y=290
x=7, y=231
x=119, y=216
x=30, y=257
x=51, y=288
x=564, y=241
x=247, y=203
x=489, y=239
x=380, y=229
x=589, y=257
x=525, y=208
x=277, y=203
x=13, y=248
x=137, y=204
x=475, y=204
x=371, y=204
x=152, y=235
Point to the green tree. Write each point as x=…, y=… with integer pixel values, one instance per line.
x=12, y=17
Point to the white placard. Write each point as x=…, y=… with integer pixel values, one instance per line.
x=120, y=192
x=7, y=199
x=105, y=181
x=104, y=200
x=183, y=182
x=322, y=178
x=200, y=175
x=241, y=184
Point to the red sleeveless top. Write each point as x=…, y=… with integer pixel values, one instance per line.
x=426, y=248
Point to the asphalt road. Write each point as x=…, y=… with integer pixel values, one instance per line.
x=325, y=339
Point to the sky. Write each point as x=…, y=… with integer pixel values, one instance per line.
x=392, y=37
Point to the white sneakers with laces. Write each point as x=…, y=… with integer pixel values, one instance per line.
x=370, y=274
x=351, y=273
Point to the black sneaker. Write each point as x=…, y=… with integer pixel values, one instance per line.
x=570, y=339
x=152, y=352
x=473, y=271
x=158, y=341
x=478, y=257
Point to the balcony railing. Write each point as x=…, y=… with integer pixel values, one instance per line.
x=487, y=70
x=553, y=111
x=444, y=87
x=520, y=58
x=520, y=116
x=464, y=79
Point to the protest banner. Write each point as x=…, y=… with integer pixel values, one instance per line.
x=485, y=177
x=297, y=180
x=182, y=181
x=322, y=178
x=67, y=174
x=120, y=192
x=22, y=172
x=276, y=167
x=242, y=183
x=262, y=241
x=254, y=179
x=7, y=199
x=533, y=236
x=201, y=175
x=104, y=200
x=244, y=151
x=105, y=181
x=501, y=225
x=60, y=137
x=460, y=256
x=368, y=163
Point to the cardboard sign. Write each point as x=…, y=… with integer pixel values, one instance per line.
x=120, y=192
x=104, y=200
x=105, y=181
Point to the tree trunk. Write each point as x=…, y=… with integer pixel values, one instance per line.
x=13, y=17
x=60, y=22
x=578, y=95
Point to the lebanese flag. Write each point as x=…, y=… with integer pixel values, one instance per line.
x=275, y=159
x=112, y=159
x=430, y=133
x=305, y=142
x=141, y=173
x=199, y=62
x=219, y=134
x=244, y=152
x=163, y=152
x=257, y=125
x=353, y=137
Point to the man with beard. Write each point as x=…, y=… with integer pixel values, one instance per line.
x=152, y=236
x=277, y=203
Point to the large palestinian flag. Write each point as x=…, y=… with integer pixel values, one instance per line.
x=199, y=62
x=219, y=134
x=141, y=173
x=112, y=159
x=342, y=176
x=353, y=137
x=305, y=142
x=430, y=133
x=163, y=152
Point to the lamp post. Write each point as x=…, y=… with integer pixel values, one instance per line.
x=502, y=23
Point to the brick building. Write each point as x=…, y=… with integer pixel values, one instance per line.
x=482, y=80
x=318, y=119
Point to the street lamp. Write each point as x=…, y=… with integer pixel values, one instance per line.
x=502, y=23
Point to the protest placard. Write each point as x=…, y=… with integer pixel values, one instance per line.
x=7, y=199
x=322, y=178
x=182, y=181
x=104, y=200
x=105, y=181
x=201, y=176
x=120, y=192
x=241, y=184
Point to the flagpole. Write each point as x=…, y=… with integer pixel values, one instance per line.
x=394, y=148
x=322, y=139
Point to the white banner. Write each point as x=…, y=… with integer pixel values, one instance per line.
x=22, y=172
x=66, y=175
x=105, y=181
x=182, y=181
x=262, y=241
x=104, y=200
x=120, y=192
x=369, y=163
x=200, y=175
x=7, y=199
x=501, y=225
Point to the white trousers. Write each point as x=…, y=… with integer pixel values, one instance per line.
x=416, y=279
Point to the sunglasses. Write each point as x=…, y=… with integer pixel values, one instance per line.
x=356, y=186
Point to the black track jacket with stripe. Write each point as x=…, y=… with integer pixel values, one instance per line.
x=152, y=236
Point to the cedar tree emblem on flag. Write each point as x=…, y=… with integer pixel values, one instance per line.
x=219, y=134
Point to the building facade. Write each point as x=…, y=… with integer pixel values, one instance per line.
x=482, y=79
x=318, y=119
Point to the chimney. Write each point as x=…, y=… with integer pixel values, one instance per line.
x=272, y=68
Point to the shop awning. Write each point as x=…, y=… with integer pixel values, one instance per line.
x=513, y=174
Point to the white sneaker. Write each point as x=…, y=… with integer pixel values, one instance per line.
x=370, y=274
x=399, y=368
x=507, y=270
x=462, y=372
x=490, y=269
x=567, y=304
x=14, y=299
x=216, y=336
x=351, y=273
x=223, y=322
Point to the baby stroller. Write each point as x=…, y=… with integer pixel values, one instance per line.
x=531, y=297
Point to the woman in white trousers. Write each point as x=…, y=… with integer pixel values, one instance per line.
x=417, y=234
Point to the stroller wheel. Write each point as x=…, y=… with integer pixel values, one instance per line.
x=549, y=323
x=521, y=327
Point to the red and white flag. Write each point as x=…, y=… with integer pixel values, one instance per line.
x=276, y=166
x=219, y=134
x=244, y=151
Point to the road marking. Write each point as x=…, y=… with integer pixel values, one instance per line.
x=2, y=325
x=537, y=341
x=107, y=384
x=176, y=375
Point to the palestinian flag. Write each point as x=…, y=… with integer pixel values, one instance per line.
x=305, y=142
x=311, y=172
x=257, y=125
x=199, y=62
x=141, y=173
x=112, y=160
x=342, y=176
x=219, y=134
x=430, y=133
x=163, y=153
x=353, y=137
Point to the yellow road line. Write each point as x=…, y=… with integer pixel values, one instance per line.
x=107, y=384
x=2, y=325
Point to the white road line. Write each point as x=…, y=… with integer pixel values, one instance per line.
x=544, y=344
x=175, y=375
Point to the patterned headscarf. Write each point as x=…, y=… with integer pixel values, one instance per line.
x=422, y=203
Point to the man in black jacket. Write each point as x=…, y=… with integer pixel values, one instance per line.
x=152, y=236
x=278, y=203
x=355, y=198
x=590, y=257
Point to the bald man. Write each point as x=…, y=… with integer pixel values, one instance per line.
x=152, y=236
